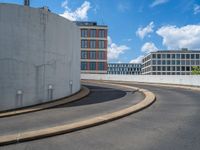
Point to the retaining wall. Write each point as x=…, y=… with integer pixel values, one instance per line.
x=193, y=80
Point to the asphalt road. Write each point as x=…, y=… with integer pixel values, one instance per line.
x=171, y=123
x=101, y=100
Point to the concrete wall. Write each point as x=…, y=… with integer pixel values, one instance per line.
x=193, y=80
x=38, y=49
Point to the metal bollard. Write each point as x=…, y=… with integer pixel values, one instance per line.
x=50, y=92
x=19, y=98
x=71, y=86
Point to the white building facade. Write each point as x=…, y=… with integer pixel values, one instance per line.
x=170, y=62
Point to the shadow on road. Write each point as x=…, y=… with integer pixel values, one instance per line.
x=97, y=95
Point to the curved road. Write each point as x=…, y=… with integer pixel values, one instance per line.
x=171, y=123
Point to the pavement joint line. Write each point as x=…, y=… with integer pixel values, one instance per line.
x=82, y=93
x=72, y=127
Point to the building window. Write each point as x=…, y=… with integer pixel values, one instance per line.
x=168, y=68
x=163, y=68
x=101, y=33
x=187, y=68
x=187, y=62
x=154, y=56
x=101, y=44
x=182, y=62
x=92, y=32
x=159, y=56
x=83, y=54
x=163, y=62
x=83, y=66
x=183, y=68
x=84, y=44
x=178, y=68
x=92, y=44
x=178, y=62
x=192, y=56
x=163, y=55
x=159, y=68
x=197, y=56
x=154, y=62
x=187, y=56
x=193, y=62
x=101, y=55
x=101, y=66
x=92, y=54
x=173, y=56
x=92, y=65
x=182, y=56
x=177, y=56
x=168, y=56
x=84, y=32
x=168, y=62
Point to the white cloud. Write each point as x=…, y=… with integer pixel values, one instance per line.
x=129, y=40
x=196, y=9
x=81, y=13
x=122, y=7
x=142, y=32
x=138, y=59
x=149, y=47
x=115, y=50
x=158, y=2
x=184, y=37
x=109, y=40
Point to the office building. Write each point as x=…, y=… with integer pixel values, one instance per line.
x=93, y=47
x=170, y=62
x=124, y=68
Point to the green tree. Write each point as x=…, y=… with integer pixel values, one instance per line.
x=196, y=70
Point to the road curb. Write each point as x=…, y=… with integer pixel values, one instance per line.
x=67, y=128
x=82, y=93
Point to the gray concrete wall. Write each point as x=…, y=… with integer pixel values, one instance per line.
x=37, y=49
x=193, y=80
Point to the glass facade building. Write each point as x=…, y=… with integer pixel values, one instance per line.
x=124, y=68
x=93, y=47
x=176, y=62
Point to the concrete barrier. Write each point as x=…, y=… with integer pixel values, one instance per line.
x=191, y=80
x=39, y=56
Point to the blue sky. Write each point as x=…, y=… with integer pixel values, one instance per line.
x=136, y=27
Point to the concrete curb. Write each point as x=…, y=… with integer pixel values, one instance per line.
x=66, y=128
x=82, y=93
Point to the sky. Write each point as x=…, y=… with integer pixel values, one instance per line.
x=135, y=27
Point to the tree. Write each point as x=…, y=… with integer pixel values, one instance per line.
x=196, y=70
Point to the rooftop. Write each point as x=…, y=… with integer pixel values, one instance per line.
x=88, y=23
x=177, y=51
